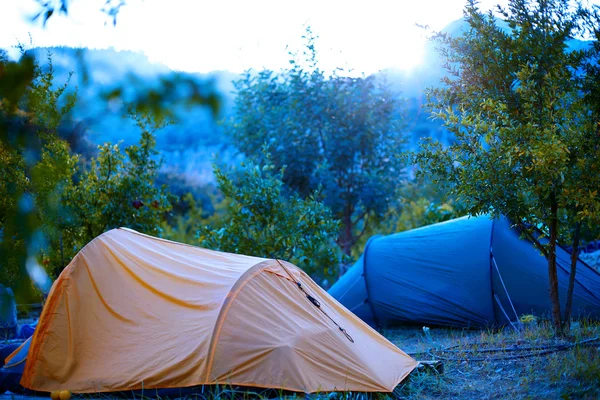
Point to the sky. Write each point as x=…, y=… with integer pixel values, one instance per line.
x=204, y=36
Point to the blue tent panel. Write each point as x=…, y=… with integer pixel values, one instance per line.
x=11, y=372
x=432, y=275
x=353, y=290
x=467, y=272
x=524, y=273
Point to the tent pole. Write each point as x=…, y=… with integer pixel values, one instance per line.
x=504, y=286
x=369, y=302
x=505, y=314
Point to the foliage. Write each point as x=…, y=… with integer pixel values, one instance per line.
x=35, y=163
x=419, y=205
x=37, y=166
x=117, y=190
x=45, y=212
x=338, y=133
x=183, y=226
x=164, y=96
x=263, y=221
x=523, y=133
x=48, y=8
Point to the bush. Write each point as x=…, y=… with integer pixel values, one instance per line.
x=262, y=221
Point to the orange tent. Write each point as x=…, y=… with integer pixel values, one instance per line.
x=132, y=311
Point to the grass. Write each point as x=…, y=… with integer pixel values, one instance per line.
x=487, y=364
x=530, y=364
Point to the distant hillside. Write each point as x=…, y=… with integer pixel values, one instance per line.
x=108, y=69
x=187, y=147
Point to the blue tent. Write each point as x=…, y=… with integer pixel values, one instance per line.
x=11, y=372
x=8, y=313
x=467, y=272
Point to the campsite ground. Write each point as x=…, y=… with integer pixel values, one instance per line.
x=506, y=364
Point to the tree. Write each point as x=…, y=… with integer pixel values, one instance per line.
x=513, y=102
x=263, y=221
x=22, y=231
x=117, y=190
x=189, y=212
x=35, y=164
x=583, y=213
x=337, y=132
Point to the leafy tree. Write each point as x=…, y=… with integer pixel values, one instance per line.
x=117, y=190
x=513, y=101
x=419, y=204
x=262, y=220
x=43, y=212
x=22, y=231
x=183, y=226
x=335, y=132
x=35, y=163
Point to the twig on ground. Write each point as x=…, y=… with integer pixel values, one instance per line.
x=529, y=353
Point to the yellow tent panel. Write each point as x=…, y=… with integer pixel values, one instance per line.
x=132, y=311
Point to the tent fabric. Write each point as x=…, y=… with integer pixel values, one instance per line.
x=132, y=311
x=354, y=292
x=13, y=365
x=26, y=330
x=8, y=313
x=15, y=362
x=466, y=272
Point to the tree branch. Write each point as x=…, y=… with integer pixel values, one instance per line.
x=357, y=237
x=535, y=241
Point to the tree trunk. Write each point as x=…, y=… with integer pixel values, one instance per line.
x=574, y=257
x=345, y=241
x=552, y=275
x=347, y=229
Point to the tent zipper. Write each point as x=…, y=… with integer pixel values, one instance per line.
x=315, y=302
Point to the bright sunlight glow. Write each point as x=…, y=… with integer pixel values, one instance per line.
x=234, y=35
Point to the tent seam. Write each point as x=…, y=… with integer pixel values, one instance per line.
x=491, y=255
x=41, y=331
x=566, y=251
x=314, y=301
x=242, y=281
x=371, y=306
x=579, y=260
